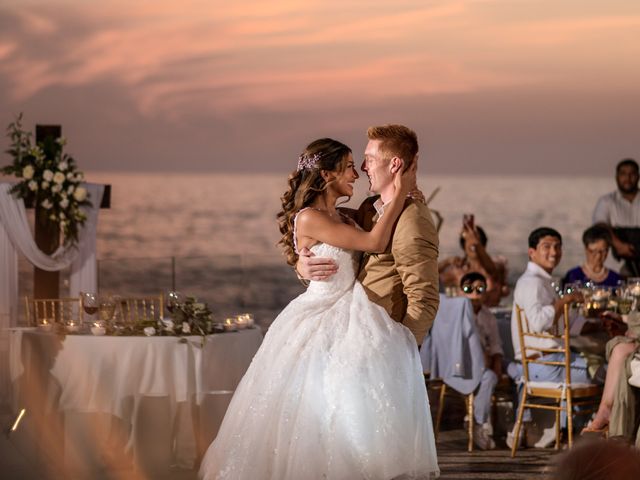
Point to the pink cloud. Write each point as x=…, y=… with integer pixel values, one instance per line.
x=179, y=56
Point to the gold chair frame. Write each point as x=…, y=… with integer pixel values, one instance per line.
x=54, y=310
x=571, y=395
x=137, y=309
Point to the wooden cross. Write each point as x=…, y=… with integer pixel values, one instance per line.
x=47, y=234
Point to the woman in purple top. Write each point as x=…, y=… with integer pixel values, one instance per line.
x=596, y=241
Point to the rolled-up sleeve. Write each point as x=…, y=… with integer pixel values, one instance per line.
x=415, y=251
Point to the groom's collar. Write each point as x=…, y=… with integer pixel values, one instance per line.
x=379, y=206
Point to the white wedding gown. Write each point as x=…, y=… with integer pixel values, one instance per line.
x=336, y=391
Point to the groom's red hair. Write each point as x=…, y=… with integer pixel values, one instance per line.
x=396, y=141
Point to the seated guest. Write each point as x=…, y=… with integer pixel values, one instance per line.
x=473, y=241
x=615, y=412
x=543, y=309
x=596, y=242
x=474, y=287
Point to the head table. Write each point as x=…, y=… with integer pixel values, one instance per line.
x=188, y=381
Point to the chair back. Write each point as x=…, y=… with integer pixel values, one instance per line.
x=138, y=309
x=531, y=354
x=52, y=310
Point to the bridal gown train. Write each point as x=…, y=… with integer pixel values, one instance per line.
x=335, y=392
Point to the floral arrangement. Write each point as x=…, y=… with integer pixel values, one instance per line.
x=193, y=317
x=49, y=179
x=189, y=317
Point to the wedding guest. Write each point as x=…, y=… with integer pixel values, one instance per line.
x=596, y=240
x=473, y=241
x=621, y=208
x=543, y=309
x=616, y=412
x=474, y=286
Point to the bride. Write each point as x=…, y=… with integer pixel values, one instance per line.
x=336, y=390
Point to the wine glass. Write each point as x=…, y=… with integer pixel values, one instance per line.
x=90, y=303
x=173, y=299
x=106, y=309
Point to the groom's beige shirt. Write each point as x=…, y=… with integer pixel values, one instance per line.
x=404, y=279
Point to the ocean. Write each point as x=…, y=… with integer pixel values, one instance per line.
x=214, y=236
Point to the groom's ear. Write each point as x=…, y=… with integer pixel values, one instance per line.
x=396, y=164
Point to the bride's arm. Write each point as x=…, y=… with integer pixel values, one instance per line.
x=318, y=226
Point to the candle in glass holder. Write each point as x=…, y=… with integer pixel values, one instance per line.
x=249, y=319
x=98, y=329
x=45, y=325
x=230, y=325
x=72, y=326
x=241, y=322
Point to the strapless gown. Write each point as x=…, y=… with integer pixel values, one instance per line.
x=335, y=392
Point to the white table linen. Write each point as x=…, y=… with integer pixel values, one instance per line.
x=108, y=374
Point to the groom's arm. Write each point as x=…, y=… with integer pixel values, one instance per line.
x=415, y=252
x=310, y=267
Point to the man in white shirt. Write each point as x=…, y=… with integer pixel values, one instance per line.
x=544, y=309
x=621, y=208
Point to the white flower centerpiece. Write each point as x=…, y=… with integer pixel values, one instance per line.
x=49, y=179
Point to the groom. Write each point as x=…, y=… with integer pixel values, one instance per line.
x=404, y=279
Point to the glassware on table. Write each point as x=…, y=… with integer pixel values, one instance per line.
x=89, y=304
x=556, y=284
x=173, y=298
x=106, y=309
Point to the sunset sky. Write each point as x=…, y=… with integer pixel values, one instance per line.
x=490, y=86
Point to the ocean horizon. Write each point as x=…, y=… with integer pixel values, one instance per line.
x=215, y=235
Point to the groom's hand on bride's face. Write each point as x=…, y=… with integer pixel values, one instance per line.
x=311, y=267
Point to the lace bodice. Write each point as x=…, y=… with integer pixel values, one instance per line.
x=345, y=259
x=343, y=279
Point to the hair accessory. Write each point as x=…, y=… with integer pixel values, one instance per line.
x=306, y=162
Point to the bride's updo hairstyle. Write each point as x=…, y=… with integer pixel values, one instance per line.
x=306, y=183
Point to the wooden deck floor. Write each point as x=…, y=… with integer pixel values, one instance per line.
x=458, y=464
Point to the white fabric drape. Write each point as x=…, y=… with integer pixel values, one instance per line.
x=16, y=236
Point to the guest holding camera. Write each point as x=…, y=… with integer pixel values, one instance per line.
x=473, y=241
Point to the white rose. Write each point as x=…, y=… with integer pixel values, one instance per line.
x=186, y=328
x=62, y=216
x=59, y=178
x=149, y=331
x=80, y=194
x=79, y=176
x=70, y=175
x=63, y=165
x=168, y=324
x=27, y=172
x=64, y=203
x=46, y=204
x=56, y=188
x=47, y=175
x=33, y=185
x=44, y=185
x=61, y=141
x=70, y=189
